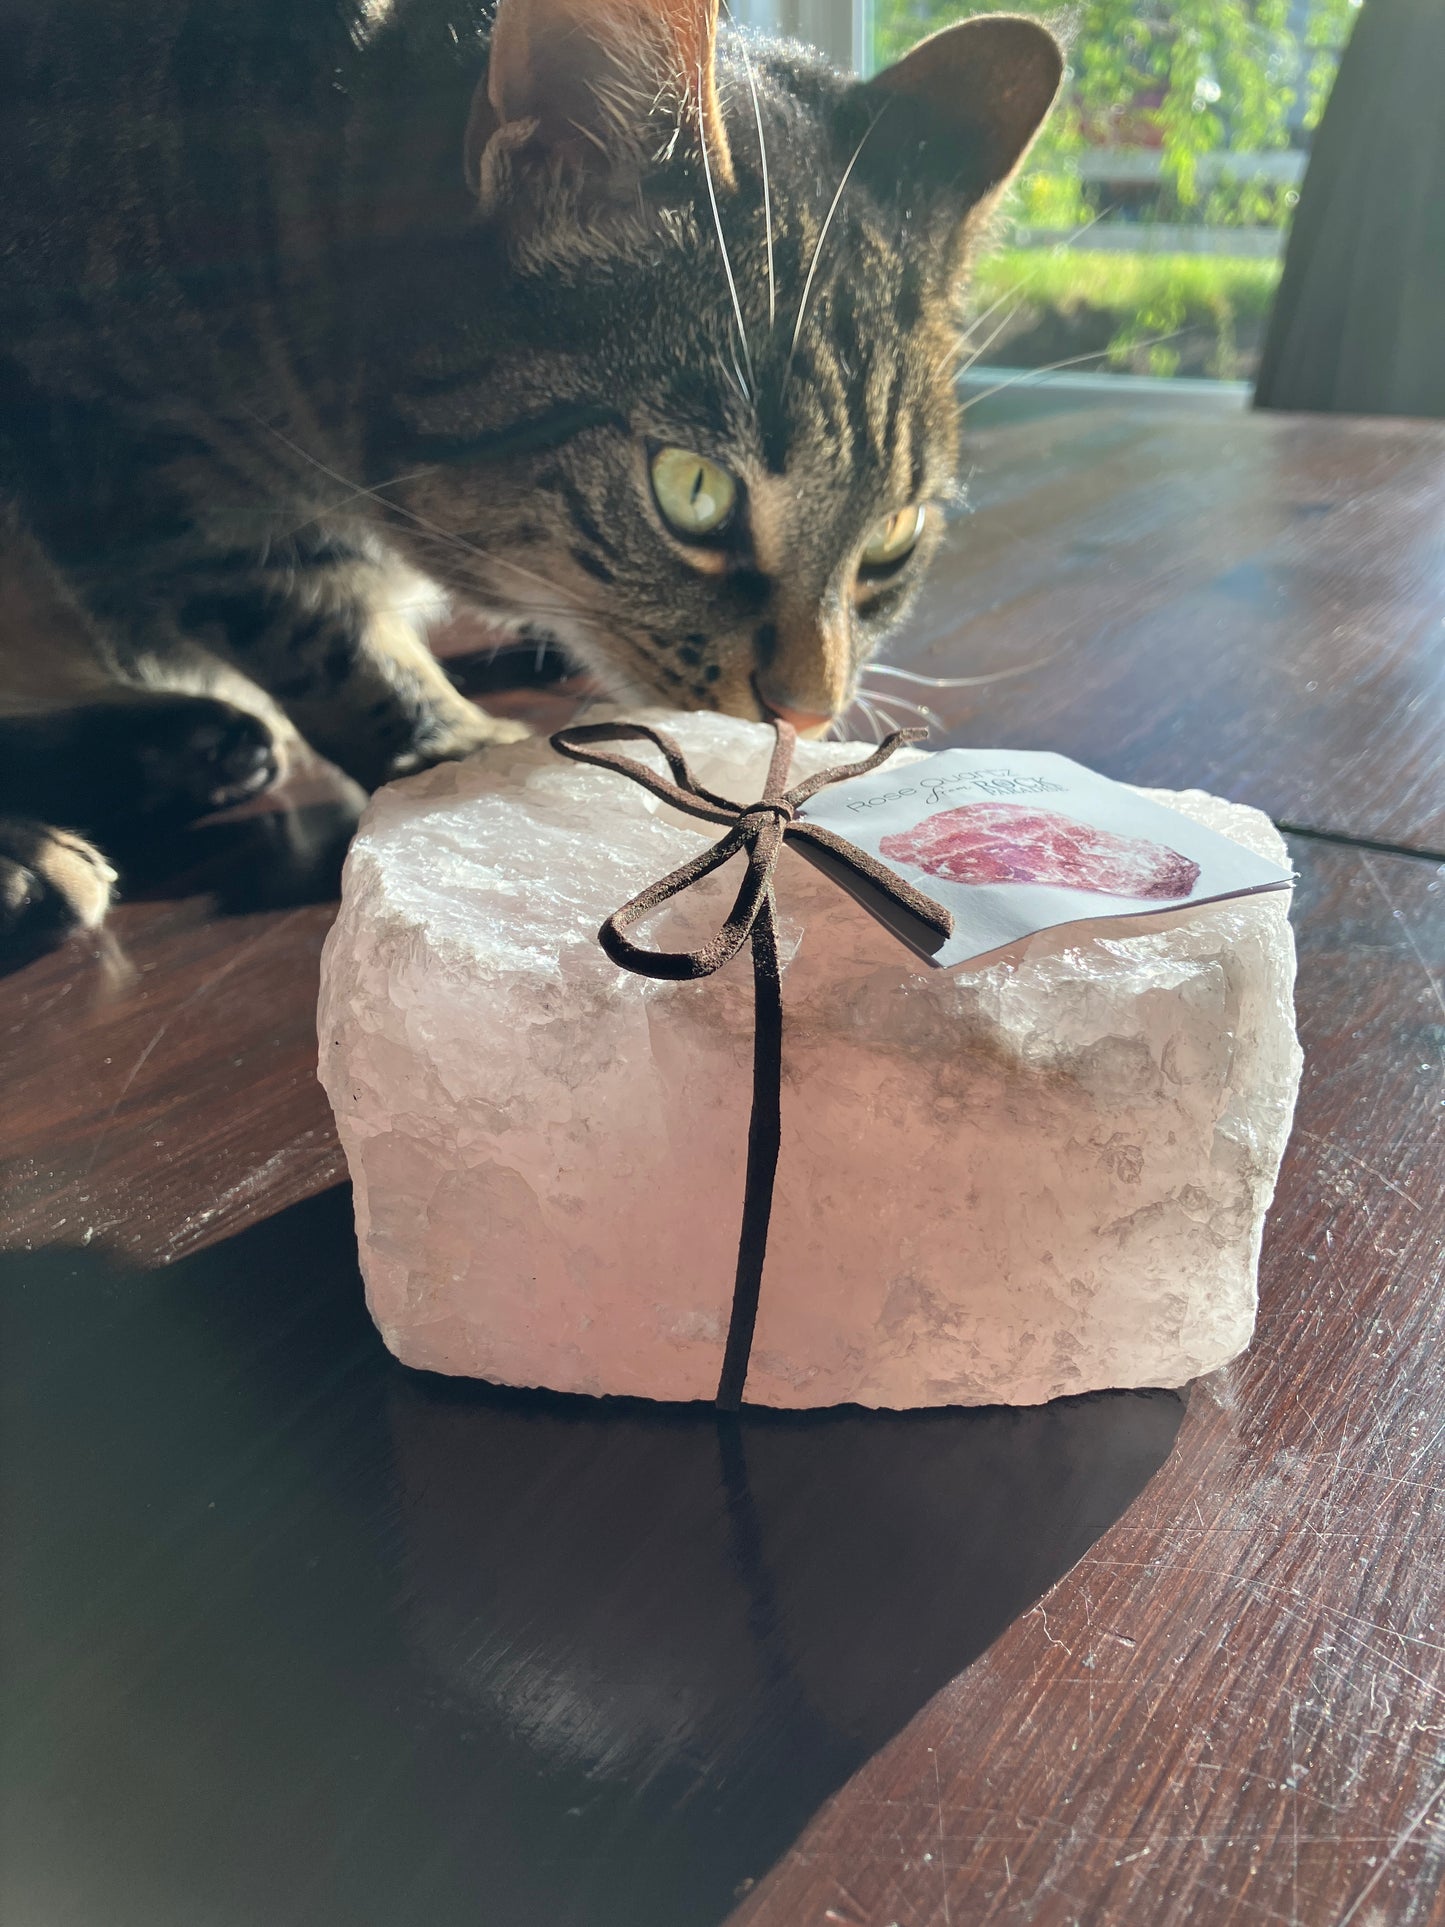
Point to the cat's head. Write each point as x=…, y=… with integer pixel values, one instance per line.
x=689, y=400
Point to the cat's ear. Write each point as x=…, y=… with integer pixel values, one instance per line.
x=596, y=86
x=964, y=106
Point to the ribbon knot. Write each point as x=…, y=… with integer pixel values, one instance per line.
x=757, y=831
x=756, y=814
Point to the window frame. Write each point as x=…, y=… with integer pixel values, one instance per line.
x=842, y=29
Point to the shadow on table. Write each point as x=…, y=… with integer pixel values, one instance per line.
x=298, y=1636
x=280, y=851
x=275, y=854
x=287, y=847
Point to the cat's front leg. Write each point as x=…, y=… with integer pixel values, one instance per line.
x=340, y=646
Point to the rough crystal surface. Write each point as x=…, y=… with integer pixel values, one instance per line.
x=1043, y=1173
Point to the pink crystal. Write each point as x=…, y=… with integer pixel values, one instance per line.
x=1042, y=1173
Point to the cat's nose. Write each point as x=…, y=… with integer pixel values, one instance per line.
x=807, y=722
x=803, y=658
x=803, y=720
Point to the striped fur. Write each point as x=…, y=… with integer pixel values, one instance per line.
x=279, y=378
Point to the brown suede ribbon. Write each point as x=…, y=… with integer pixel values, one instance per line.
x=759, y=830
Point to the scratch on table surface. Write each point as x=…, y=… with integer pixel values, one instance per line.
x=1237, y=1898
x=202, y=990
x=1422, y=1453
x=1044, y=1621
x=1402, y=1672
x=1294, y=1818
x=240, y=1192
x=28, y=1017
x=1409, y=936
x=1382, y=1429
x=1029, y=1825
x=942, y=1855
x=1354, y=1619
x=1230, y=1575
x=1305, y=1413
x=1338, y=1150
x=858, y=1912
x=1402, y=1840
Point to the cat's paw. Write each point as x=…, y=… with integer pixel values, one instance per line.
x=195, y=754
x=52, y=883
x=455, y=738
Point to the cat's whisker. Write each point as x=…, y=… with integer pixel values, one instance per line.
x=738, y=382
x=491, y=560
x=420, y=521
x=966, y=682
x=526, y=607
x=886, y=709
x=822, y=237
x=904, y=706
x=528, y=614
x=360, y=494
x=722, y=244
x=763, y=159
x=967, y=353
x=874, y=720
x=587, y=134
x=1008, y=293
x=974, y=355
x=1084, y=226
x=1071, y=361
x=444, y=543
x=993, y=308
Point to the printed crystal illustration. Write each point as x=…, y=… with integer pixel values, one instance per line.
x=1013, y=843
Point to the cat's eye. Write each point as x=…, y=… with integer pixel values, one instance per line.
x=695, y=495
x=892, y=537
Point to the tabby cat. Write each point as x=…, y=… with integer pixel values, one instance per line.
x=317, y=315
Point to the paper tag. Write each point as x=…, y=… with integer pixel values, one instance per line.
x=1016, y=841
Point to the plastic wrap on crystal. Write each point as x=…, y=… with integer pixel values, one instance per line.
x=1043, y=1173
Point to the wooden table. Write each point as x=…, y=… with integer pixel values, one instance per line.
x=296, y=1636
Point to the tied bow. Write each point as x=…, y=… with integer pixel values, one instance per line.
x=758, y=830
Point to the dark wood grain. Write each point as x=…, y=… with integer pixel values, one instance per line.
x=1232, y=1709
x=160, y=1084
x=308, y=1639
x=1251, y=604
x=162, y=1092
x=160, y=1078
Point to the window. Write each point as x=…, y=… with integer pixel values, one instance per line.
x=1146, y=233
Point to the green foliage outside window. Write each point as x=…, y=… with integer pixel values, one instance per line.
x=1192, y=77
x=1126, y=313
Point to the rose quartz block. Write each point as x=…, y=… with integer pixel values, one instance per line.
x=1039, y=1174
